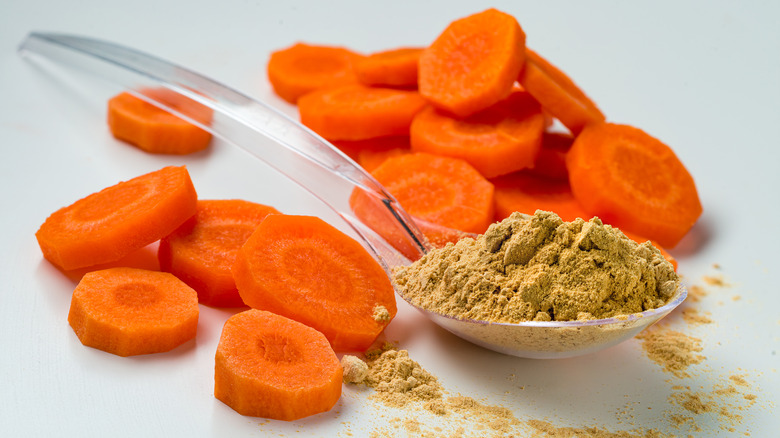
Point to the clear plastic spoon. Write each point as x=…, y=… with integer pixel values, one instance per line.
x=314, y=164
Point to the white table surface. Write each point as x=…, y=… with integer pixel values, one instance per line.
x=702, y=76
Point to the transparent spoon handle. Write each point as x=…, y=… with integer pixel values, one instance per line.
x=295, y=151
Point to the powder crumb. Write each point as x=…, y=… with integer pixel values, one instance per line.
x=398, y=380
x=672, y=350
x=738, y=379
x=548, y=430
x=693, y=317
x=355, y=370
x=696, y=293
x=692, y=402
x=381, y=314
x=526, y=266
x=496, y=418
x=715, y=280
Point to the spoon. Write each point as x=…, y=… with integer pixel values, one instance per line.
x=371, y=213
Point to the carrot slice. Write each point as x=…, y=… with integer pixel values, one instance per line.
x=640, y=239
x=271, y=366
x=440, y=190
x=359, y=150
x=501, y=139
x=558, y=94
x=110, y=224
x=527, y=192
x=303, y=68
x=127, y=311
x=633, y=181
x=551, y=161
x=473, y=64
x=155, y=130
x=370, y=159
x=302, y=268
x=392, y=68
x=202, y=251
x=358, y=112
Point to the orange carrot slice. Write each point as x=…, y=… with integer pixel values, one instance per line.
x=558, y=94
x=440, y=190
x=501, y=139
x=303, y=68
x=302, y=268
x=112, y=223
x=361, y=150
x=633, y=181
x=392, y=68
x=154, y=130
x=358, y=112
x=270, y=366
x=202, y=251
x=551, y=161
x=527, y=192
x=473, y=64
x=127, y=311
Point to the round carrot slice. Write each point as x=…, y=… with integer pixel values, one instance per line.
x=273, y=367
x=127, y=311
x=358, y=112
x=473, y=64
x=558, y=94
x=440, y=190
x=633, y=181
x=303, y=268
x=394, y=68
x=155, y=130
x=112, y=223
x=527, y=192
x=303, y=68
x=202, y=251
x=501, y=139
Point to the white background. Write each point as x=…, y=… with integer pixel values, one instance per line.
x=701, y=76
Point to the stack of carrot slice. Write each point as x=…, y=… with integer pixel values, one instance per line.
x=484, y=99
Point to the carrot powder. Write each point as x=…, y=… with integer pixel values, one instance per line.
x=303, y=268
x=154, y=130
x=270, y=366
x=303, y=68
x=473, y=63
x=202, y=251
x=116, y=221
x=127, y=311
x=633, y=181
x=498, y=140
x=358, y=112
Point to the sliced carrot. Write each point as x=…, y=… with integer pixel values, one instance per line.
x=358, y=112
x=633, y=181
x=155, y=130
x=527, y=192
x=440, y=190
x=202, y=251
x=302, y=268
x=551, y=161
x=127, y=311
x=473, y=64
x=112, y=223
x=640, y=239
x=273, y=367
x=370, y=159
x=558, y=94
x=501, y=139
x=303, y=68
x=392, y=68
x=360, y=150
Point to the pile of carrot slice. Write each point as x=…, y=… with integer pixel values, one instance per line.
x=485, y=100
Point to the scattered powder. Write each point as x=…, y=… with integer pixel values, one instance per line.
x=692, y=316
x=381, y=314
x=540, y=268
x=496, y=418
x=355, y=370
x=692, y=402
x=672, y=350
x=739, y=380
x=715, y=280
x=548, y=430
x=696, y=293
x=398, y=380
